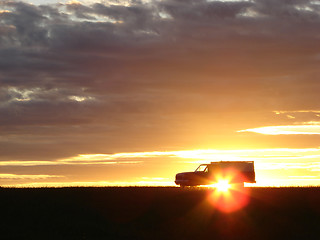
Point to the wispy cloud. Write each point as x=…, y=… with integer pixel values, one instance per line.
x=64, y=162
x=27, y=177
x=27, y=163
x=195, y=156
x=297, y=111
x=313, y=166
x=305, y=177
x=286, y=130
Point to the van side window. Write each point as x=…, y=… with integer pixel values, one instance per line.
x=202, y=168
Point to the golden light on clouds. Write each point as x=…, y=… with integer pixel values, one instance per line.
x=286, y=130
x=191, y=156
x=21, y=176
x=274, y=167
x=297, y=111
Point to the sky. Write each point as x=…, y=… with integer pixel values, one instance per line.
x=133, y=92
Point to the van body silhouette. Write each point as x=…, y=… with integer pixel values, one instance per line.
x=235, y=172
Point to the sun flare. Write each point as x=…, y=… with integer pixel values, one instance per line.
x=223, y=186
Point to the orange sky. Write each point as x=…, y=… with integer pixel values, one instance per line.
x=131, y=93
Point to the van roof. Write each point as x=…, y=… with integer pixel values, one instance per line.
x=233, y=162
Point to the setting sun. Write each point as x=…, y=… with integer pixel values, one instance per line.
x=223, y=186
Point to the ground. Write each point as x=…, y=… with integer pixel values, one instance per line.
x=157, y=213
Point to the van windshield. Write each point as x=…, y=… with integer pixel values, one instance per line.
x=202, y=168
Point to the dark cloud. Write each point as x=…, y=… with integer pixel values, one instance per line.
x=113, y=76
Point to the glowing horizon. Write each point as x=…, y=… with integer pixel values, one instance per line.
x=303, y=166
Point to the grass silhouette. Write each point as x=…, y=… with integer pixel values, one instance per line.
x=156, y=213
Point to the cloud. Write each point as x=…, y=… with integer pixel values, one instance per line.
x=159, y=168
x=63, y=162
x=294, y=129
x=289, y=166
x=190, y=156
x=106, y=77
x=302, y=122
x=32, y=177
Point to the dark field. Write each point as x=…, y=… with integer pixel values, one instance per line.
x=156, y=213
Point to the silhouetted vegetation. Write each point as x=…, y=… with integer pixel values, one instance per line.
x=156, y=213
